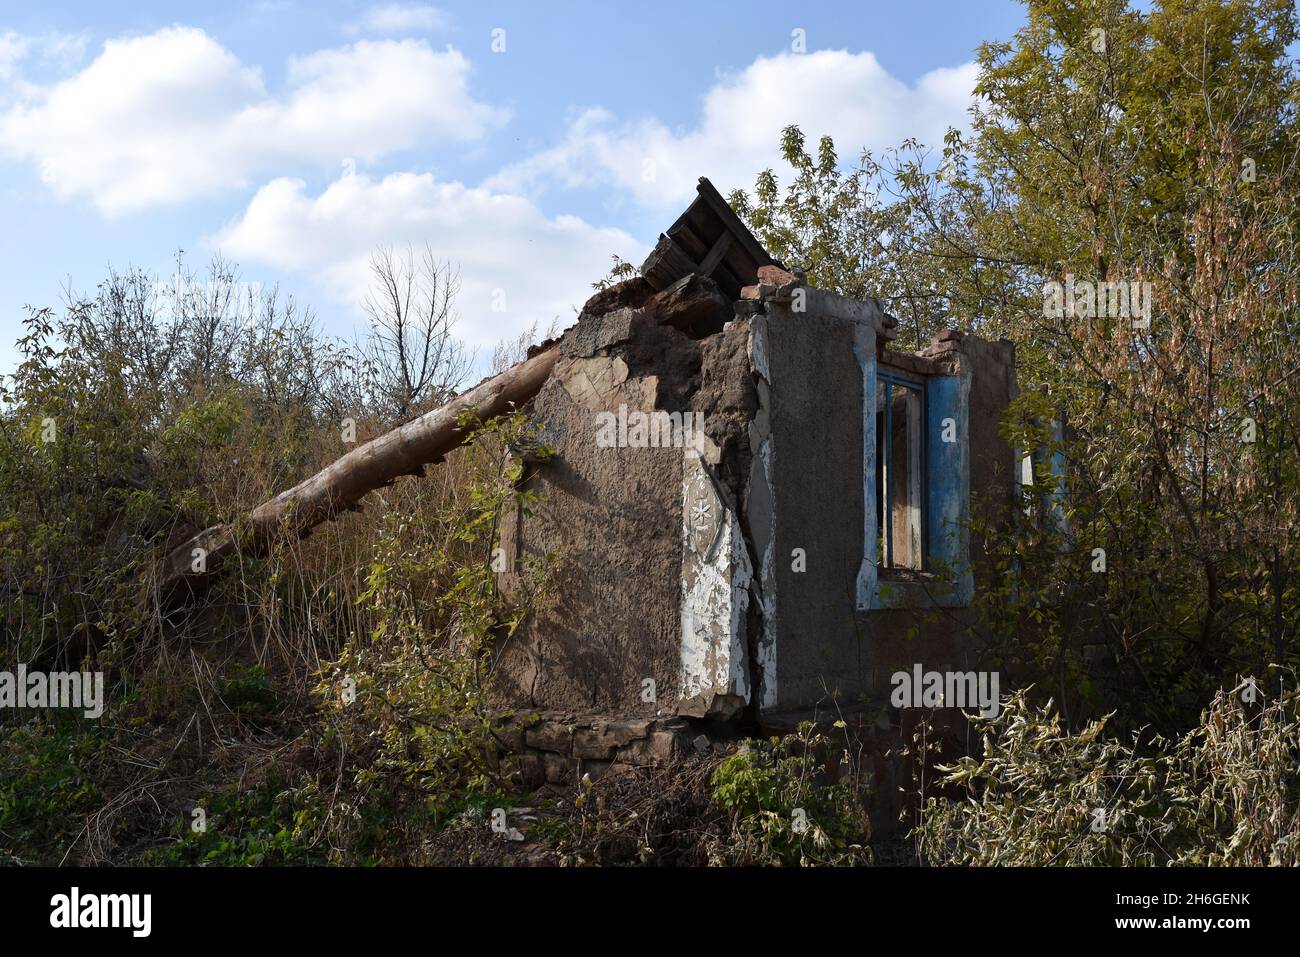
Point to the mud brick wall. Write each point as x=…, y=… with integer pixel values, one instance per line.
x=622, y=568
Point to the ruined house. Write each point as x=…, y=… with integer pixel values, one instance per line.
x=758, y=509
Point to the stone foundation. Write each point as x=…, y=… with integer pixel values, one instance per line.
x=556, y=747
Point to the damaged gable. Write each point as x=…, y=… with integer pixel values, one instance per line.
x=709, y=240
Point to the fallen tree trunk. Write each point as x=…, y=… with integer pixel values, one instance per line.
x=378, y=463
x=692, y=304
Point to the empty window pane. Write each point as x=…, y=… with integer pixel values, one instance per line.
x=899, y=474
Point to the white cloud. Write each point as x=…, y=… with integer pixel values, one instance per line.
x=848, y=95
x=388, y=18
x=13, y=48
x=173, y=115
x=503, y=244
x=58, y=49
x=63, y=49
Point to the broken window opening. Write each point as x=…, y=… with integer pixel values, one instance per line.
x=900, y=472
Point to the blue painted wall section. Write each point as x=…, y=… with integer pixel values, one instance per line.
x=948, y=467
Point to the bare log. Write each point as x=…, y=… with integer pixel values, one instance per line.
x=338, y=487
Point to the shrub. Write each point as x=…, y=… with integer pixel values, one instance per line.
x=1225, y=793
x=408, y=705
x=783, y=811
x=45, y=790
x=267, y=825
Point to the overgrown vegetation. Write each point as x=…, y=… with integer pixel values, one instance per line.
x=784, y=810
x=1226, y=793
x=763, y=803
x=328, y=702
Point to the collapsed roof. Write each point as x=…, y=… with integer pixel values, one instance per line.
x=708, y=239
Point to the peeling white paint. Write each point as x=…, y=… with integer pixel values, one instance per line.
x=758, y=348
x=716, y=576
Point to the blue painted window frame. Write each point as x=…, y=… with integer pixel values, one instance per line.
x=946, y=580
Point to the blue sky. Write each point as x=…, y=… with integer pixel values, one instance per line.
x=525, y=142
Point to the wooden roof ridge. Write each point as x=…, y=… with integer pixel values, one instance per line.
x=708, y=238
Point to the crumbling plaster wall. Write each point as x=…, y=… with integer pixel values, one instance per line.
x=648, y=605
x=815, y=349
x=822, y=362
